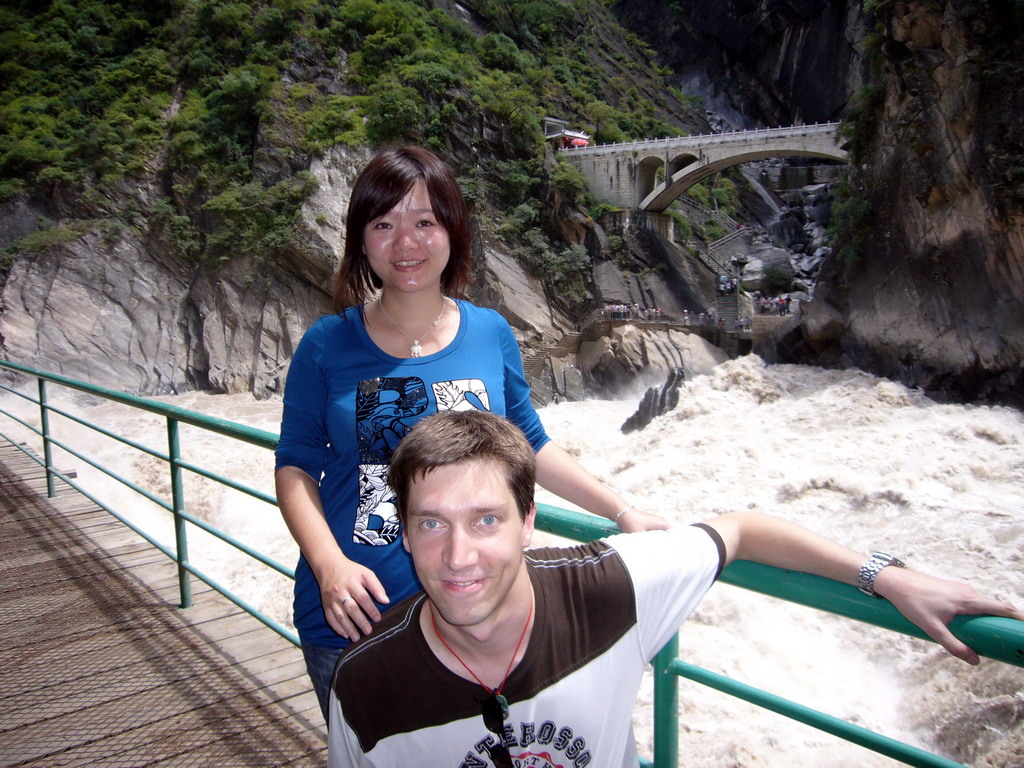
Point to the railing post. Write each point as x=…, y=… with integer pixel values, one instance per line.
x=44, y=423
x=178, y=502
x=666, y=706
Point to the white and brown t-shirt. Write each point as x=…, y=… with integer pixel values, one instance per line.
x=603, y=610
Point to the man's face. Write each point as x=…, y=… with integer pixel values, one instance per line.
x=467, y=539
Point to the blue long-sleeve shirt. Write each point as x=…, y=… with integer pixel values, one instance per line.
x=347, y=404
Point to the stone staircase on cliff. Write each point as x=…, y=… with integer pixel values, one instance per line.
x=533, y=363
x=727, y=311
x=712, y=254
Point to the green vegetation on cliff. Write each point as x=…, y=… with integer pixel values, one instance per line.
x=221, y=104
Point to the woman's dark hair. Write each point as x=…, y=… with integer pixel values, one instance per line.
x=380, y=186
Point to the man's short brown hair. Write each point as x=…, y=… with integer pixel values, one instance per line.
x=456, y=437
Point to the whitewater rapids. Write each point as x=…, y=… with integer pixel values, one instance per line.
x=858, y=458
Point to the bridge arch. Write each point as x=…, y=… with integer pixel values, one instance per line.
x=647, y=173
x=657, y=200
x=627, y=173
x=648, y=166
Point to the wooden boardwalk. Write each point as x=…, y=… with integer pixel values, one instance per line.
x=98, y=666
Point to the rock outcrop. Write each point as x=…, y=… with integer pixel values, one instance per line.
x=632, y=358
x=778, y=61
x=656, y=401
x=934, y=297
x=111, y=311
x=764, y=258
x=651, y=270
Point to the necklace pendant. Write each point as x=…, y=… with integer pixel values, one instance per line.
x=415, y=350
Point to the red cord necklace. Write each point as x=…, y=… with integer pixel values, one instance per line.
x=495, y=691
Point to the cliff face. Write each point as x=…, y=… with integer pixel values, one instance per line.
x=779, y=61
x=113, y=306
x=933, y=297
x=198, y=259
x=109, y=308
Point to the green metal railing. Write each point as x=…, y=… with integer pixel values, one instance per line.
x=996, y=638
x=176, y=505
x=991, y=636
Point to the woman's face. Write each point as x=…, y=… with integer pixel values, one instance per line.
x=407, y=248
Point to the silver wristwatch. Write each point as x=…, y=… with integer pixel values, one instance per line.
x=870, y=570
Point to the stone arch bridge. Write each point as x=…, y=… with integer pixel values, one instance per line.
x=627, y=174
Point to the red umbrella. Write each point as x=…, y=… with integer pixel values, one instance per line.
x=579, y=142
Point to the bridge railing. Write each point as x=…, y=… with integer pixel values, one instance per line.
x=1001, y=639
x=734, y=235
x=705, y=139
x=714, y=214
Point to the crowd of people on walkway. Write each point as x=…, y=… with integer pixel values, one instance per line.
x=711, y=319
x=773, y=305
x=708, y=318
x=633, y=312
x=767, y=305
x=727, y=285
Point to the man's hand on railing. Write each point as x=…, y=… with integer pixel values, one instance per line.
x=931, y=603
x=926, y=601
x=636, y=520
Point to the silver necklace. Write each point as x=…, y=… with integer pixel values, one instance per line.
x=415, y=350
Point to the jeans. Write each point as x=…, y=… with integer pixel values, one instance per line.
x=320, y=663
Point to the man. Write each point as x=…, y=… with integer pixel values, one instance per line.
x=549, y=646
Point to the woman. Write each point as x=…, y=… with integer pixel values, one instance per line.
x=401, y=346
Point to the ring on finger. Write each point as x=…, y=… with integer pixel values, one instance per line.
x=345, y=600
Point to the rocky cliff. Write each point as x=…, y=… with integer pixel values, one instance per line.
x=925, y=282
x=926, y=287
x=776, y=62
x=114, y=306
x=109, y=309
x=933, y=293
x=131, y=272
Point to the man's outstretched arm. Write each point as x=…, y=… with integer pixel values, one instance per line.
x=931, y=603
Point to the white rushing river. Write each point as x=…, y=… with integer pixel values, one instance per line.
x=858, y=458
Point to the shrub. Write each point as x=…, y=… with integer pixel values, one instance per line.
x=714, y=230
x=570, y=184
x=177, y=229
x=518, y=222
x=725, y=195
x=516, y=181
x=700, y=193
x=600, y=208
x=393, y=111
x=335, y=120
x=564, y=272
x=255, y=220
x=50, y=237
x=683, y=228
x=567, y=273
x=440, y=123
x=861, y=122
x=777, y=279
x=431, y=79
x=498, y=51
x=851, y=223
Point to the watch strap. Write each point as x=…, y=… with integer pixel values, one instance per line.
x=870, y=570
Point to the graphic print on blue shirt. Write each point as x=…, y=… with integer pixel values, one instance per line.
x=461, y=395
x=386, y=410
